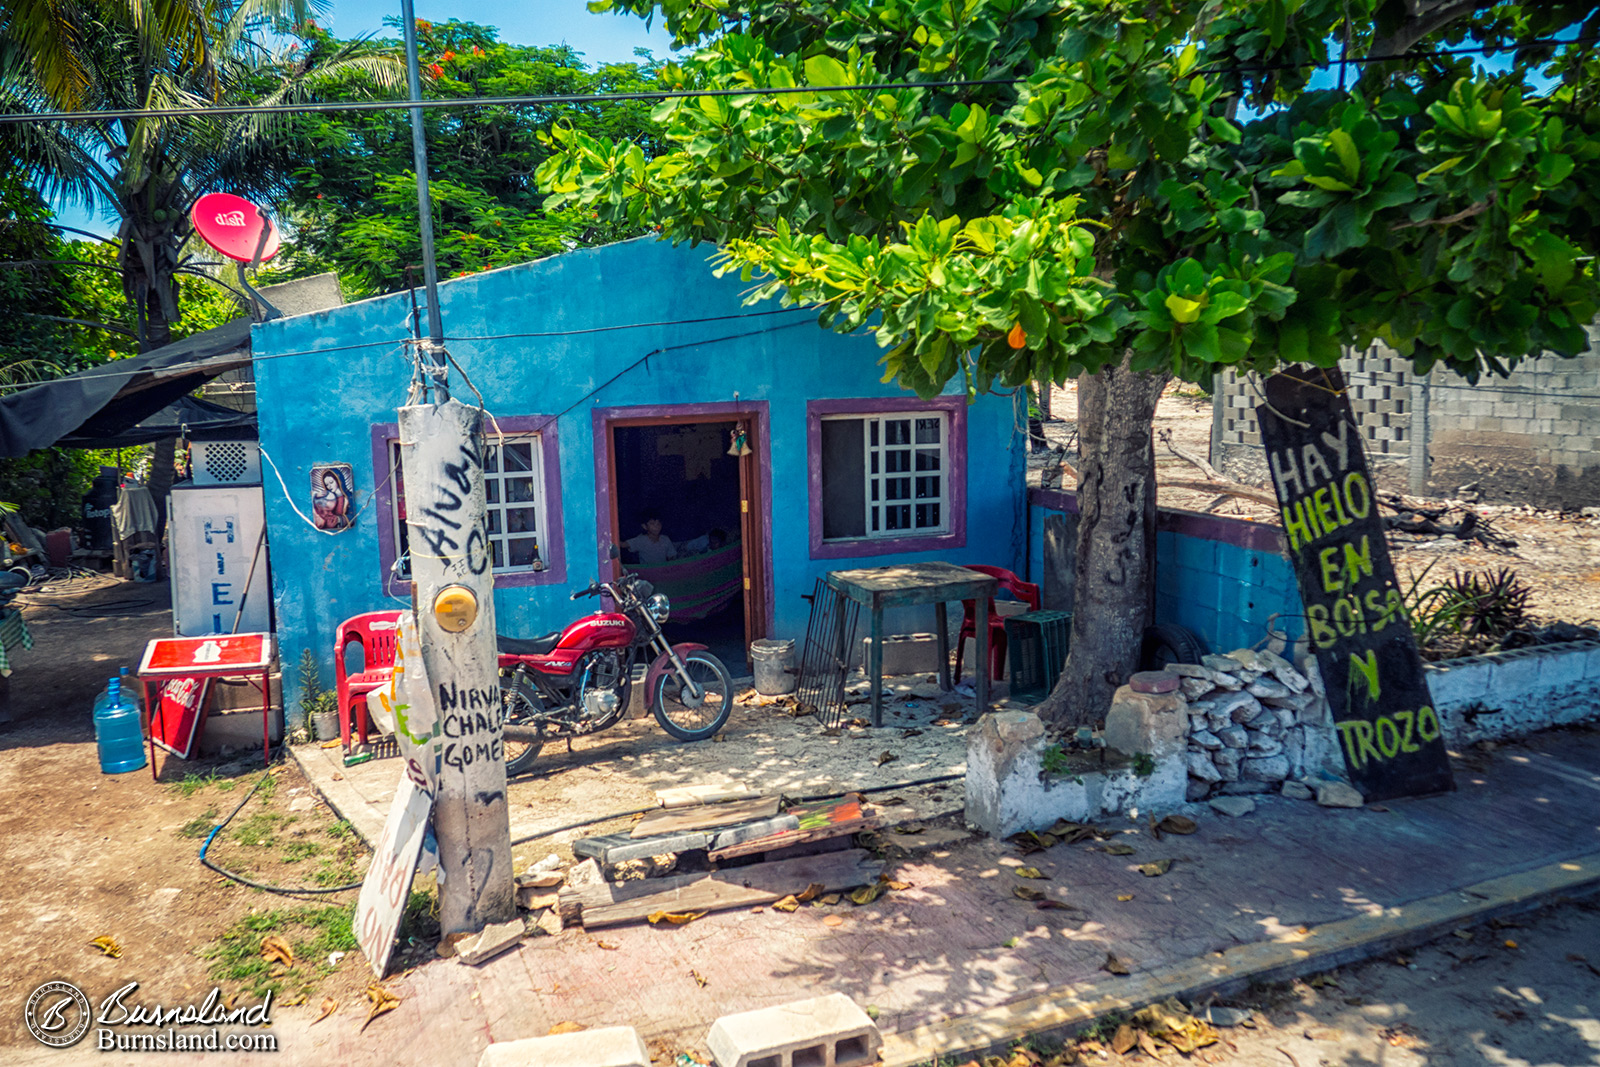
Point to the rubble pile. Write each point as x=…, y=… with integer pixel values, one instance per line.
x=1257, y=724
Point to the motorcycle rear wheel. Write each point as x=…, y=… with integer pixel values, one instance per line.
x=679, y=713
x=519, y=711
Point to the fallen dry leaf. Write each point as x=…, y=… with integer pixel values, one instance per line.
x=699, y=979
x=831, y=899
x=1510, y=944
x=788, y=903
x=1177, y=824
x=1155, y=869
x=1118, y=850
x=329, y=1006
x=898, y=887
x=274, y=947
x=757, y=910
x=382, y=1001
x=1124, y=1039
x=1465, y=935
x=608, y=946
x=1026, y=892
x=813, y=891
x=568, y=1028
x=1147, y=1045
x=833, y=920
x=887, y=757
x=867, y=893
x=1123, y=898
x=108, y=945
x=1030, y=872
x=1113, y=965
x=673, y=918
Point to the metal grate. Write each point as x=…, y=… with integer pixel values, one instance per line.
x=825, y=658
x=1037, y=644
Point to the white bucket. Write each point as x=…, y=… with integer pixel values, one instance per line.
x=773, y=665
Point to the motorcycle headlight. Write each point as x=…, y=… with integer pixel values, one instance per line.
x=659, y=608
x=642, y=589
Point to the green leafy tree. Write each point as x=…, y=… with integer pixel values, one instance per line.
x=353, y=199
x=1151, y=190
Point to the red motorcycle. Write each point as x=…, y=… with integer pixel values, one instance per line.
x=577, y=681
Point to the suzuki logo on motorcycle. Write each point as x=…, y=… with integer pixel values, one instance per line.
x=607, y=622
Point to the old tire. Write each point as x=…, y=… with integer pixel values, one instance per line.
x=1167, y=643
x=519, y=710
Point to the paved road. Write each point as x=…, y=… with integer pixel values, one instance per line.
x=1466, y=1000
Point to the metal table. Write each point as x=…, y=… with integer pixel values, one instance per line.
x=876, y=588
x=204, y=658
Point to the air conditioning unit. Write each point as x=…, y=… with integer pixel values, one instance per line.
x=226, y=462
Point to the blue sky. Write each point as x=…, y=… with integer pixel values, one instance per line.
x=601, y=38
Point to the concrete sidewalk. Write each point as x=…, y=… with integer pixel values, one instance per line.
x=957, y=958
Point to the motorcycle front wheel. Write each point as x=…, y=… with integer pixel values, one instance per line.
x=680, y=712
x=519, y=711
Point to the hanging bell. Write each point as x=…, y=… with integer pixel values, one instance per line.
x=740, y=445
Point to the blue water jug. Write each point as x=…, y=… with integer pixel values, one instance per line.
x=117, y=731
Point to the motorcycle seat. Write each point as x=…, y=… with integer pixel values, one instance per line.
x=528, y=646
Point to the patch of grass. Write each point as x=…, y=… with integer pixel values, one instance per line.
x=331, y=873
x=192, y=783
x=1103, y=1028
x=295, y=851
x=421, y=918
x=268, y=790
x=198, y=826
x=258, y=830
x=340, y=830
x=313, y=932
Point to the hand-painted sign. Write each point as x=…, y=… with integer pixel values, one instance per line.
x=387, y=885
x=1355, y=616
x=180, y=707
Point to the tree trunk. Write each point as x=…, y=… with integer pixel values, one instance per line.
x=1115, y=566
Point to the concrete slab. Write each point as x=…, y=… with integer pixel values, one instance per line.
x=615, y=1046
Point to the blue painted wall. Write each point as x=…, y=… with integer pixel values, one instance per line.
x=1224, y=579
x=319, y=396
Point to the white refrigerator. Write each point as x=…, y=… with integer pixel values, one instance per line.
x=217, y=559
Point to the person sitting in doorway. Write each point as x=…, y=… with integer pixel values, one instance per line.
x=717, y=538
x=651, y=547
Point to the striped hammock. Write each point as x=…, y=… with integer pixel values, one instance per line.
x=699, y=585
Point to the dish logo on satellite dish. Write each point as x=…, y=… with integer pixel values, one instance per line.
x=231, y=218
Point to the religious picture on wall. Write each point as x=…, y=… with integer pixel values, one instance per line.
x=332, y=487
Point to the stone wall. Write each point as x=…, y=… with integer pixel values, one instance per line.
x=1505, y=695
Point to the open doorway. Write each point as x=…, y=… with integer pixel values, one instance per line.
x=684, y=515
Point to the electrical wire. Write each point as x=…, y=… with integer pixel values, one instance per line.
x=318, y=107
x=241, y=879
x=580, y=824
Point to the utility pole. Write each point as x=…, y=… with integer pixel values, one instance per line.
x=441, y=448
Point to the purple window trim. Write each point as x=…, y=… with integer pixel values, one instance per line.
x=553, y=540
x=758, y=411
x=955, y=452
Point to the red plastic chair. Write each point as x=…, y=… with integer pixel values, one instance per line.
x=1026, y=592
x=375, y=632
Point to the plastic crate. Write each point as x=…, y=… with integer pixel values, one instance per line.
x=1036, y=647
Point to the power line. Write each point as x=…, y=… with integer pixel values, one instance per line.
x=318, y=107
x=477, y=101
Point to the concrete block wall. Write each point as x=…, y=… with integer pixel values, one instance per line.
x=1222, y=578
x=1504, y=695
x=1532, y=437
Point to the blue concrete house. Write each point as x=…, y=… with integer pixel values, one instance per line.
x=621, y=378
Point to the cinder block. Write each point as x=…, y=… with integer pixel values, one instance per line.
x=1561, y=668
x=1516, y=676
x=828, y=1031
x=615, y=1046
x=1458, y=683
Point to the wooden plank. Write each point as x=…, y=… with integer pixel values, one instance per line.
x=688, y=796
x=829, y=818
x=682, y=820
x=775, y=880
x=761, y=883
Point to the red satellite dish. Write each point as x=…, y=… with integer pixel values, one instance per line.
x=233, y=225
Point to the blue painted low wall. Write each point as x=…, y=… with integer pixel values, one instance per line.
x=638, y=325
x=1222, y=578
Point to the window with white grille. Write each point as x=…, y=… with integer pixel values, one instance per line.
x=513, y=483
x=885, y=475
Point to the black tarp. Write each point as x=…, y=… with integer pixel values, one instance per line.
x=186, y=416
x=102, y=403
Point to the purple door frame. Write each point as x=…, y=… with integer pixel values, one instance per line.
x=669, y=414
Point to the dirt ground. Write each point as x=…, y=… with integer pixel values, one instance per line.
x=1556, y=554
x=87, y=854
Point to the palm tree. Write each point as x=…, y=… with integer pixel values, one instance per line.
x=148, y=171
